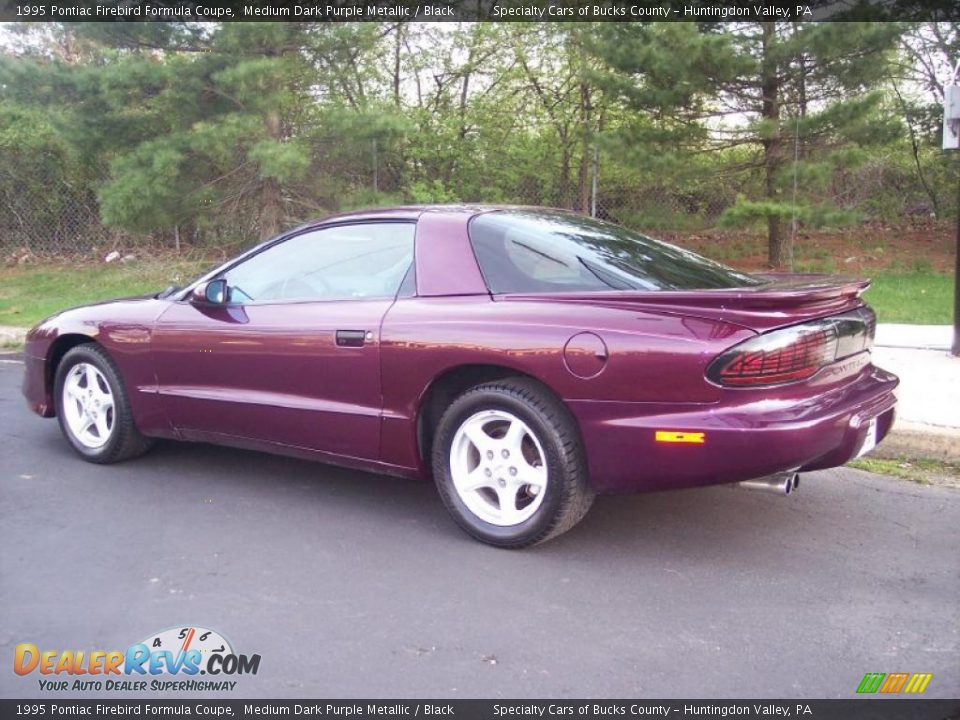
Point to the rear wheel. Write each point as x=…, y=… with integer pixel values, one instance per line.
x=509, y=465
x=93, y=409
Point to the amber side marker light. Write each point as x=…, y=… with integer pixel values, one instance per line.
x=675, y=436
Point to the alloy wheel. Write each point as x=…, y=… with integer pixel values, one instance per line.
x=88, y=405
x=498, y=468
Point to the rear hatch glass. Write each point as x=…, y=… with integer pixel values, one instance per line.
x=536, y=251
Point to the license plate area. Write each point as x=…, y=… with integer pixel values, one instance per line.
x=870, y=441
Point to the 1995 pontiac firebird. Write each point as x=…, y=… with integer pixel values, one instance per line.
x=526, y=359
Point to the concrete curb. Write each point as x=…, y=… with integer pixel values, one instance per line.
x=928, y=442
x=917, y=337
x=11, y=335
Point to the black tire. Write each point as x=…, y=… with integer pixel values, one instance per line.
x=125, y=441
x=567, y=496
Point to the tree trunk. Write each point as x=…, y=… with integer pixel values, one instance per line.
x=396, y=65
x=779, y=250
x=271, y=211
x=915, y=147
x=565, y=199
x=801, y=80
x=271, y=196
x=583, y=185
x=464, y=96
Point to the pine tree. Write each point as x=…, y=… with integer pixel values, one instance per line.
x=807, y=91
x=796, y=92
x=213, y=121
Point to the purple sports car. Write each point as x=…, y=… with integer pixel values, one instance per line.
x=524, y=358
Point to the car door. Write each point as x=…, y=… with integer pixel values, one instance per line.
x=292, y=356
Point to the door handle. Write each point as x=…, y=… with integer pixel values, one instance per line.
x=351, y=338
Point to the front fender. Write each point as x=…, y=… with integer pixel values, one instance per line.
x=123, y=328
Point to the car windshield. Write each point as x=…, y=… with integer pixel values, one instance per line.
x=521, y=251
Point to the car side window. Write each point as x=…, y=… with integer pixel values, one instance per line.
x=363, y=260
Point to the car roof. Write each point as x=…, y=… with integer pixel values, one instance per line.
x=413, y=212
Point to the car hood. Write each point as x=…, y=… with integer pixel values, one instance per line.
x=136, y=311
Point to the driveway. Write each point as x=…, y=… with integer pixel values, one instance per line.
x=354, y=585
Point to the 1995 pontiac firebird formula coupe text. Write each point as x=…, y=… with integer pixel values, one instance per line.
x=524, y=358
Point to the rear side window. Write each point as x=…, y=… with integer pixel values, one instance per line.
x=530, y=251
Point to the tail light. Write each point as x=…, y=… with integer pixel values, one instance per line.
x=794, y=353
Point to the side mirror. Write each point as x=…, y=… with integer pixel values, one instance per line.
x=211, y=293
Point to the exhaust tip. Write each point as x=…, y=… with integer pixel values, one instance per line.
x=780, y=483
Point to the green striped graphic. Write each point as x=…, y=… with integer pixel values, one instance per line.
x=871, y=682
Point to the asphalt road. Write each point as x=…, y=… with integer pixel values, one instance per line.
x=355, y=585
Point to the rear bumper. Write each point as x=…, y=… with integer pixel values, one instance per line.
x=741, y=440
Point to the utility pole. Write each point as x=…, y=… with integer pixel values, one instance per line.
x=956, y=281
x=951, y=141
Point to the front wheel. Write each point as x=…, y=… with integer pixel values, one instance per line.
x=93, y=409
x=509, y=464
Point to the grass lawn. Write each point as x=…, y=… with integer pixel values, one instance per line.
x=919, y=298
x=29, y=293
x=918, y=470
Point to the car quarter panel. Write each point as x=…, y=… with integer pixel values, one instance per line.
x=650, y=357
x=653, y=378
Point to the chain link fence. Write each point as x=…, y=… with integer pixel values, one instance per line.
x=63, y=218
x=60, y=219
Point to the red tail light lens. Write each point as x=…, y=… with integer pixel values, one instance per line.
x=779, y=357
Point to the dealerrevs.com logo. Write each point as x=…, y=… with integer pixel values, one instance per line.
x=170, y=660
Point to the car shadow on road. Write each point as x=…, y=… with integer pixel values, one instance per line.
x=711, y=523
